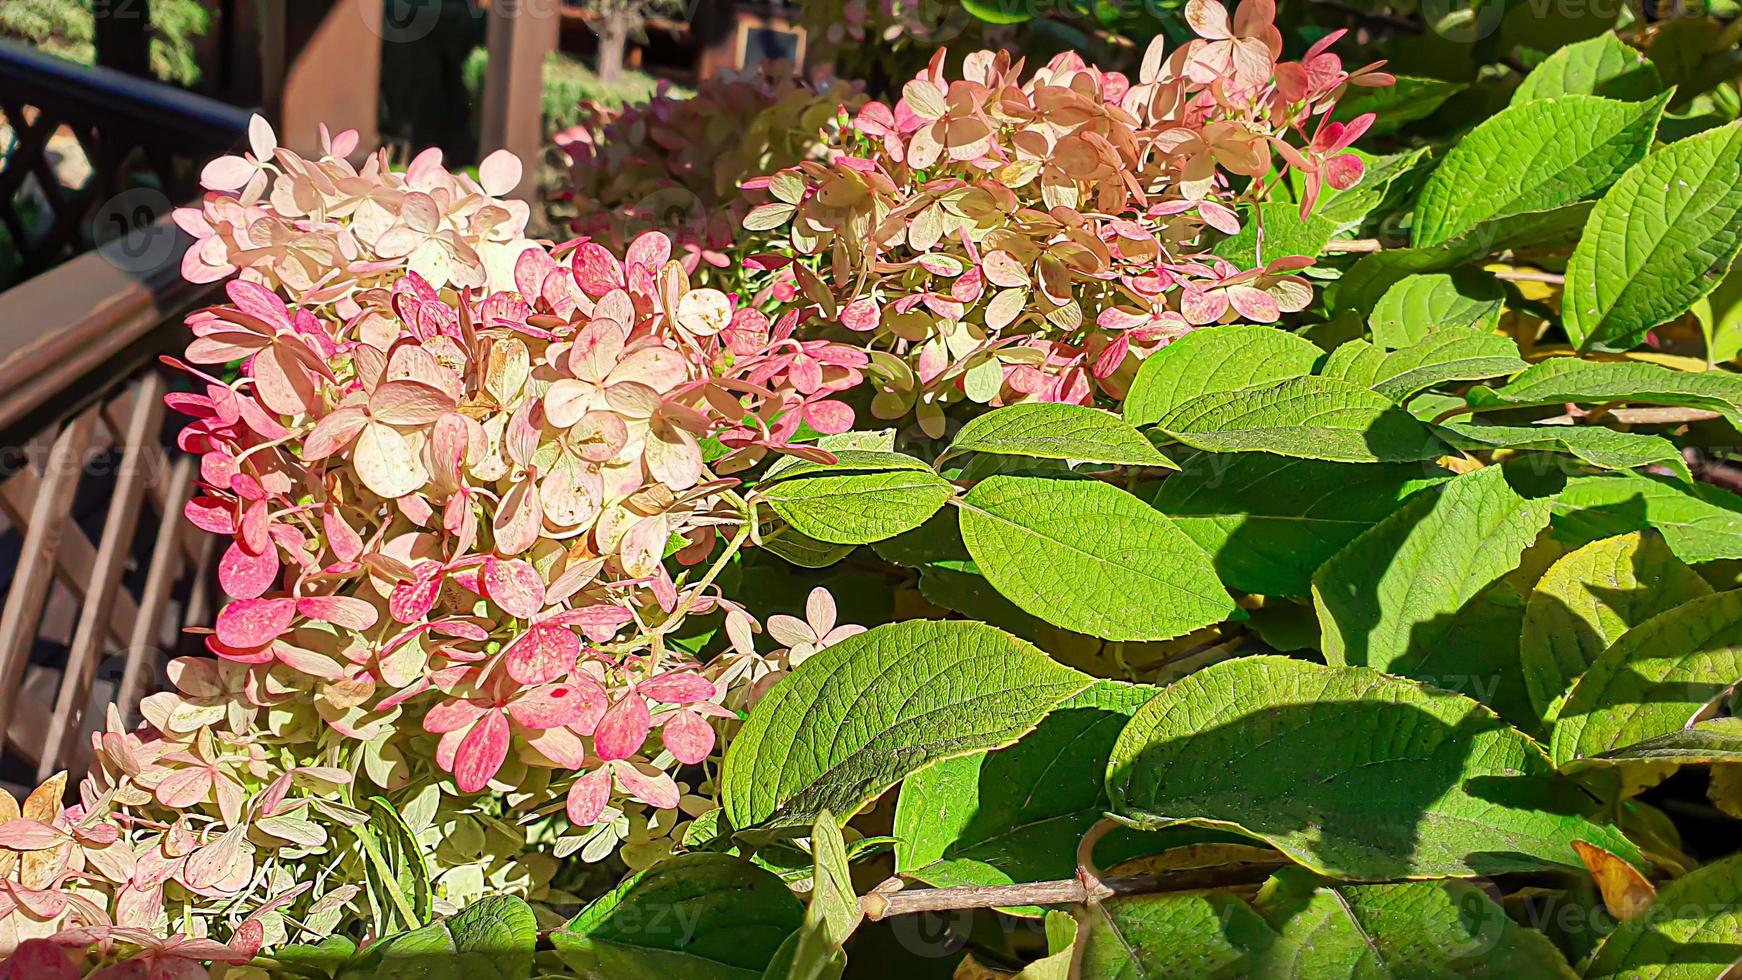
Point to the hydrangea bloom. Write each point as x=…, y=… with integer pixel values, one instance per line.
x=1003, y=237
x=451, y=464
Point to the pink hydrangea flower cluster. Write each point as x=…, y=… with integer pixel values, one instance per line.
x=1001, y=238
x=451, y=464
x=465, y=497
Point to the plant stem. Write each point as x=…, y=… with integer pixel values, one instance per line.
x=1069, y=891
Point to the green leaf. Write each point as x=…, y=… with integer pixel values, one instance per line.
x=1653, y=679
x=322, y=959
x=1385, y=176
x=1418, y=304
x=1352, y=773
x=856, y=718
x=803, y=550
x=1286, y=233
x=1269, y=522
x=1718, y=740
x=849, y=459
x=1089, y=557
x=697, y=916
x=1361, y=287
x=999, y=11
x=1201, y=936
x=1403, y=596
x=1571, y=379
x=1720, y=316
x=867, y=496
x=959, y=587
x=491, y=939
x=395, y=874
x=1412, y=929
x=1595, y=444
x=1660, y=239
x=1536, y=156
x=1588, y=599
x=1445, y=354
x=1699, y=522
x=1017, y=814
x=1409, y=100
x=1215, y=359
x=1308, y=418
x=1693, y=931
x=831, y=916
x=1603, y=65
x=1053, y=430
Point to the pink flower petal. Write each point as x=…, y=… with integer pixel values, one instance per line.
x=542, y=654
x=548, y=707
x=623, y=730
x=689, y=737
x=589, y=796
x=347, y=611
x=677, y=688
x=247, y=576
x=654, y=790
x=515, y=586
x=481, y=753
x=411, y=601
x=40, y=959
x=252, y=622
x=596, y=270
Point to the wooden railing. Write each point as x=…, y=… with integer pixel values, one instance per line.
x=144, y=142
x=99, y=568
x=99, y=571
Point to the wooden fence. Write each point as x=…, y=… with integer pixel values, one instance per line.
x=99, y=570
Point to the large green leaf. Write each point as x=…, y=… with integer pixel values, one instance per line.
x=1400, y=104
x=1361, y=288
x=1653, y=679
x=814, y=952
x=1269, y=522
x=491, y=939
x=1660, y=239
x=1536, y=156
x=1419, y=929
x=1718, y=740
x=1603, y=65
x=1406, y=596
x=1285, y=233
x=1572, y=379
x=1720, y=315
x=866, y=497
x=1445, y=354
x=1215, y=359
x=1692, y=931
x=1017, y=814
x=1309, y=418
x=1597, y=445
x=698, y=916
x=856, y=718
x=1699, y=522
x=1588, y=599
x=1419, y=304
x=1053, y=430
x=1089, y=557
x=1352, y=773
x=1202, y=936
x=1388, y=176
